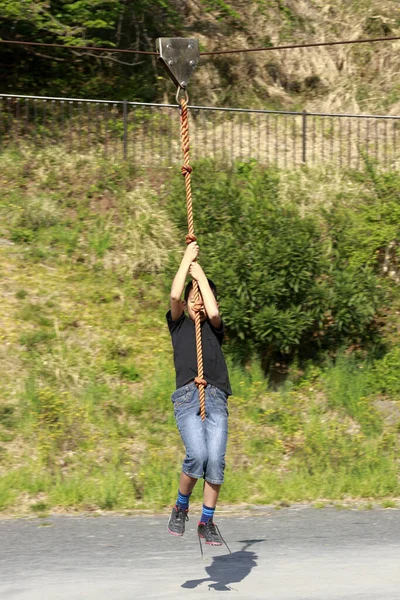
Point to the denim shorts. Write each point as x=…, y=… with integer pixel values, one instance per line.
x=205, y=441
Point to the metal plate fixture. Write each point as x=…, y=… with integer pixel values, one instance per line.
x=180, y=57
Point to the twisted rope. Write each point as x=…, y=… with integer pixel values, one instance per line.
x=190, y=237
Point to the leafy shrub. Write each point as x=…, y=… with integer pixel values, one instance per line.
x=362, y=233
x=386, y=373
x=225, y=10
x=283, y=286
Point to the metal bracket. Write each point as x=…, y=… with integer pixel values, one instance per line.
x=179, y=56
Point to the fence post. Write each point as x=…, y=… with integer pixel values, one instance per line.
x=304, y=137
x=1, y=122
x=125, y=109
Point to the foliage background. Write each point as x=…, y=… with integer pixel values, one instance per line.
x=360, y=78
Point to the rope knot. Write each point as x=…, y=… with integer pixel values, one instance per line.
x=200, y=381
x=190, y=237
x=186, y=169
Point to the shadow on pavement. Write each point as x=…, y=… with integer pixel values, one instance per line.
x=228, y=569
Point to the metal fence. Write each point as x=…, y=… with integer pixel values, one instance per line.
x=148, y=134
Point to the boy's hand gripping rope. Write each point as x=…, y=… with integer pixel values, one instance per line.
x=198, y=305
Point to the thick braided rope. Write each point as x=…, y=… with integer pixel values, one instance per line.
x=186, y=172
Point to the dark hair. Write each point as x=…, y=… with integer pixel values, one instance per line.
x=189, y=288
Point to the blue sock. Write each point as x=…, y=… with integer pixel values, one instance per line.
x=207, y=514
x=183, y=501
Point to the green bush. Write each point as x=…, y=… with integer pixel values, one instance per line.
x=283, y=286
x=386, y=373
x=362, y=234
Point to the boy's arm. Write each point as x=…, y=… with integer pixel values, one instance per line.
x=210, y=303
x=178, y=284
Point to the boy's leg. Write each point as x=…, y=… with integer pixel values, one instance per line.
x=216, y=438
x=216, y=435
x=211, y=493
x=206, y=528
x=186, y=483
x=179, y=514
x=191, y=429
x=210, y=497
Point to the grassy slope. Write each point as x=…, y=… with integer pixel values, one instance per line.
x=86, y=370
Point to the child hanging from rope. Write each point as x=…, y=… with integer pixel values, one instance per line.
x=205, y=441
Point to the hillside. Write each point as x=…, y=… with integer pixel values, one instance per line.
x=85, y=365
x=362, y=78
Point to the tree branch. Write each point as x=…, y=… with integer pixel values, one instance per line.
x=112, y=59
x=41, y=55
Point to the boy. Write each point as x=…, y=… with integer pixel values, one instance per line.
x=205, y=441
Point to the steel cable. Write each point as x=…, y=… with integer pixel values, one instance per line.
x=214, y=53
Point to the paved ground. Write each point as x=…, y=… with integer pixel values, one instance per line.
x=291, y=554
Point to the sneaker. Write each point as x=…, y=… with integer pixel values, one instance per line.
x=177, y=521
x=210, y=533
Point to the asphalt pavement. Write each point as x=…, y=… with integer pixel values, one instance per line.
x=297, y=553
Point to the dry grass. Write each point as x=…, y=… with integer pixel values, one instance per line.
x=143, y=234
x=362, y=78
x=322, y=189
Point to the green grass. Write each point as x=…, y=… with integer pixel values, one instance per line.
x=389, y=504
x=103, y=449
x=348, y=386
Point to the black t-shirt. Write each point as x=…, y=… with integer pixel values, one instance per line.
x=184, y=343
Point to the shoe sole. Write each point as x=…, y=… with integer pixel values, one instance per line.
x=213, y=543
x=210, y=543
x=173, y=533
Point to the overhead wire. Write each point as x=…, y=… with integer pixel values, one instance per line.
x=214, y=53
x=310, y=45
x=91, y=48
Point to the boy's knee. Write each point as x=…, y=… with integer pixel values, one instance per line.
x=196, y=463
x=215, y=470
